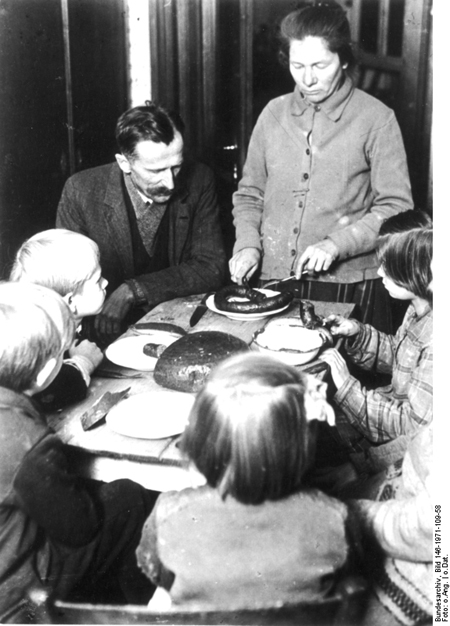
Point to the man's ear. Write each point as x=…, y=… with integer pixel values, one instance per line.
x=46, y=373
x=123, y=163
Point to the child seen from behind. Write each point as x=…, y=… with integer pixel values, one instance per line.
x=252, y=535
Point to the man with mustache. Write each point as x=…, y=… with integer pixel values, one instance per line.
x=154, y=216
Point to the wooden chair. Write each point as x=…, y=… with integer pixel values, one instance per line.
x=344, y=608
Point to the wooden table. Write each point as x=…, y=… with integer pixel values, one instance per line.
x=157, y=464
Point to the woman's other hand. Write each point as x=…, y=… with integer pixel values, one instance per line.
x=316, y=258
x=244, y=264
x=339, y=369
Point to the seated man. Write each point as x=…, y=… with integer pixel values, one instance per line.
x=154, y=216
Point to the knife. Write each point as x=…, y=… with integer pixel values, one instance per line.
x=199, y=311
x=283, y=280
x=92, y=416
x=141, y=327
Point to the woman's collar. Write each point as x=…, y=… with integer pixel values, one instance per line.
x=333, y=106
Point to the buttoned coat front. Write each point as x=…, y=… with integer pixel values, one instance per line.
x=336, y=170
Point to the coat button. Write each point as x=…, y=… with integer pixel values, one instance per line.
x=295, y=230
x=308, y=151
x=293, y=253
x=306, y=176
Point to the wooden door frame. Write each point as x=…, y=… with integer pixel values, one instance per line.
x=416, y=97
x=246, y=18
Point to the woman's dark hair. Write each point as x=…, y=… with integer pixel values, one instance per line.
x=151, y=122
x=407, y=220
x=327, y=20
x=249, y=433
x=406, y=259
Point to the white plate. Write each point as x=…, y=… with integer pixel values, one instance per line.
x=153, y=415
x=246, y=316
x=304, y=344
x=128, y=351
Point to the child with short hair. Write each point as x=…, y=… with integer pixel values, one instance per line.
x=252, y=535
x=68, y=263
x=400, y=408
x=58, y=532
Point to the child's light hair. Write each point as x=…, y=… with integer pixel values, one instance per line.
x=59, y=259
x=35, y=326
x=249, y=433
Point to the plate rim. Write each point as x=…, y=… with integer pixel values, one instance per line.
x=245, y=316
x=266, y=329
x=138, y=337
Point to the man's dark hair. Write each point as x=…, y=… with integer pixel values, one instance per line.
x=326, y=20
x=151, y=122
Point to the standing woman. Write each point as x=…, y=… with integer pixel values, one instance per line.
x=326, y=165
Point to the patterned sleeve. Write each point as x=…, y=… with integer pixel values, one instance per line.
x=381, y=414
x=371, y=349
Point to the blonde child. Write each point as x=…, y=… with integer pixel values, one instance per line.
x=58, y=532
x=253, y=535
x=68, y=263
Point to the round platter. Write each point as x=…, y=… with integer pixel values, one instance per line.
x=246, y=316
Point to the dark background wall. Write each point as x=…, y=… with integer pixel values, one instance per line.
x=64, y=82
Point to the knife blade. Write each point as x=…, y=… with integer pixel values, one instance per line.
x=283, y=280
x=199, y=312
x=92, y=416
x=142, y=327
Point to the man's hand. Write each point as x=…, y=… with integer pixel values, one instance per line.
x=244, y=264
x=89, y=350
x=339, y=369
x=108, y=322
x=316, y=258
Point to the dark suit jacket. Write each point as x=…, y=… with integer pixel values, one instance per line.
x=92, y=203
